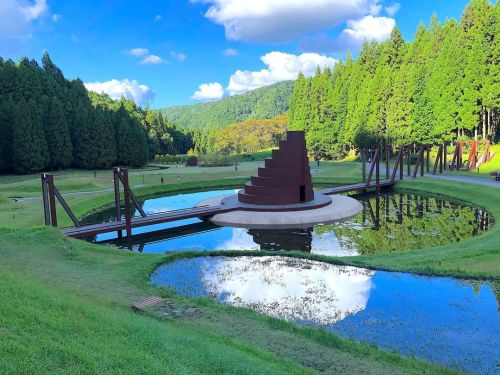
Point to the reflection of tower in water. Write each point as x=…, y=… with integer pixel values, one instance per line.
x=279, y=239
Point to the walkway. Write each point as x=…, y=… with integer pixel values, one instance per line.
x=466, y=179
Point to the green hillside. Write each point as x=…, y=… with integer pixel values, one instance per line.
x=263, y=103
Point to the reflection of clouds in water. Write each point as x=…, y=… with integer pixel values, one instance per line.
x=288, y=288
x=240, y=240
x=328, y=244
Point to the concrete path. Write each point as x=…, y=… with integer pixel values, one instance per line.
x=466, y=179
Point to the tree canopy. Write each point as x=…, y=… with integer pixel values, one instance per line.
x=441, y=86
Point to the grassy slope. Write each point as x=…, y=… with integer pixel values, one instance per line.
x=68, y=311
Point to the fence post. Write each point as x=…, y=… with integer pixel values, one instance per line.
x=387, y=162
x=408, y=159
x=45, y=198
x=377, y=169
x=428, y=157
x=422, y=161
x=118, y=212
x=52, y=200
x=363, y=164
x=401, y=161
x=128, y=214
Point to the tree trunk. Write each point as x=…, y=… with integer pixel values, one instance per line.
x=475, y=133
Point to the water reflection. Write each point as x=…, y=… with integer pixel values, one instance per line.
x=389, y=222
x=452, y=322
x=288, y=288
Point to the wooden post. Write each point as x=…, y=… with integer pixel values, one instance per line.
x=45, y=198
x=128, y=213
x=52, y=200
x=116, y=179
x=442, y=150
x=409, y=161
x=401, y=161
x=363, y=164
x=445, y=157
x=428, y=149
x=422, y=161
x=387, y=164
x=377, y=169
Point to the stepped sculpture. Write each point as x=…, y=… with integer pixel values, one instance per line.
x=285, y=179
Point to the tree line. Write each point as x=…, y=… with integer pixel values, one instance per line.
x=48, y=122
x=442, y=86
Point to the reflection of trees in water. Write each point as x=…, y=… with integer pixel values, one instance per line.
x=279, y=239
x=393, y=221
x=477, y=285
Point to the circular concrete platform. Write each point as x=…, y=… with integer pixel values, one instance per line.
x=340, y=208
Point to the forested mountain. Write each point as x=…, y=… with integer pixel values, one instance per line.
x=49, y=122
x=443, y=85
x=205, y=118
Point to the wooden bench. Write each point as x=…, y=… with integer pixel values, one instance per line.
x=146, y=302
x=496, y=176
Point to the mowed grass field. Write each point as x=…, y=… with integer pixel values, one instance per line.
x=66, y=303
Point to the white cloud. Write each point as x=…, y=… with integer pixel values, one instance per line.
x=367, y=28
x=129, y=89
x=179, y=56
x=280, y=67
x=370, y=28
x=138, y=52
x=147, y=58
x=152, y=60
x=230, y=52
x=34, y=11
x=209, y=91
x=283, y=20
x=56, y=17
x=393, y=9
x=158, y=17
x=16, y=22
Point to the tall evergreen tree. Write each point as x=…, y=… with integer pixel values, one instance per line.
x=30, y=147
x=7, y=119
x=58, y=137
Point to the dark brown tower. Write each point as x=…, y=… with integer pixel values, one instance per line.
x=285, y=179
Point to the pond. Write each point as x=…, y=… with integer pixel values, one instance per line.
x=447, y=321
x=390, y=221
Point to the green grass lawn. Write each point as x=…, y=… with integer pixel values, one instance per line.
x=68, y=311
x=69, y=301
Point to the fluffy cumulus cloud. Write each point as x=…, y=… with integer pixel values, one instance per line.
x=17, y=19
x=146, y=58
x=129, y=89
x=280, y=67
x=209, y=91
x=352, y=37
x=284, y=20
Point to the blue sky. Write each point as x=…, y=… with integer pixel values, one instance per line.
x=180, y=52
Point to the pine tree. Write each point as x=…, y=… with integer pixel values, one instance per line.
x=30, y=152
x=7, y=120
x=58, y=137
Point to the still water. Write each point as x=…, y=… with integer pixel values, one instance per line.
x=390, y=221
x=447, y=321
